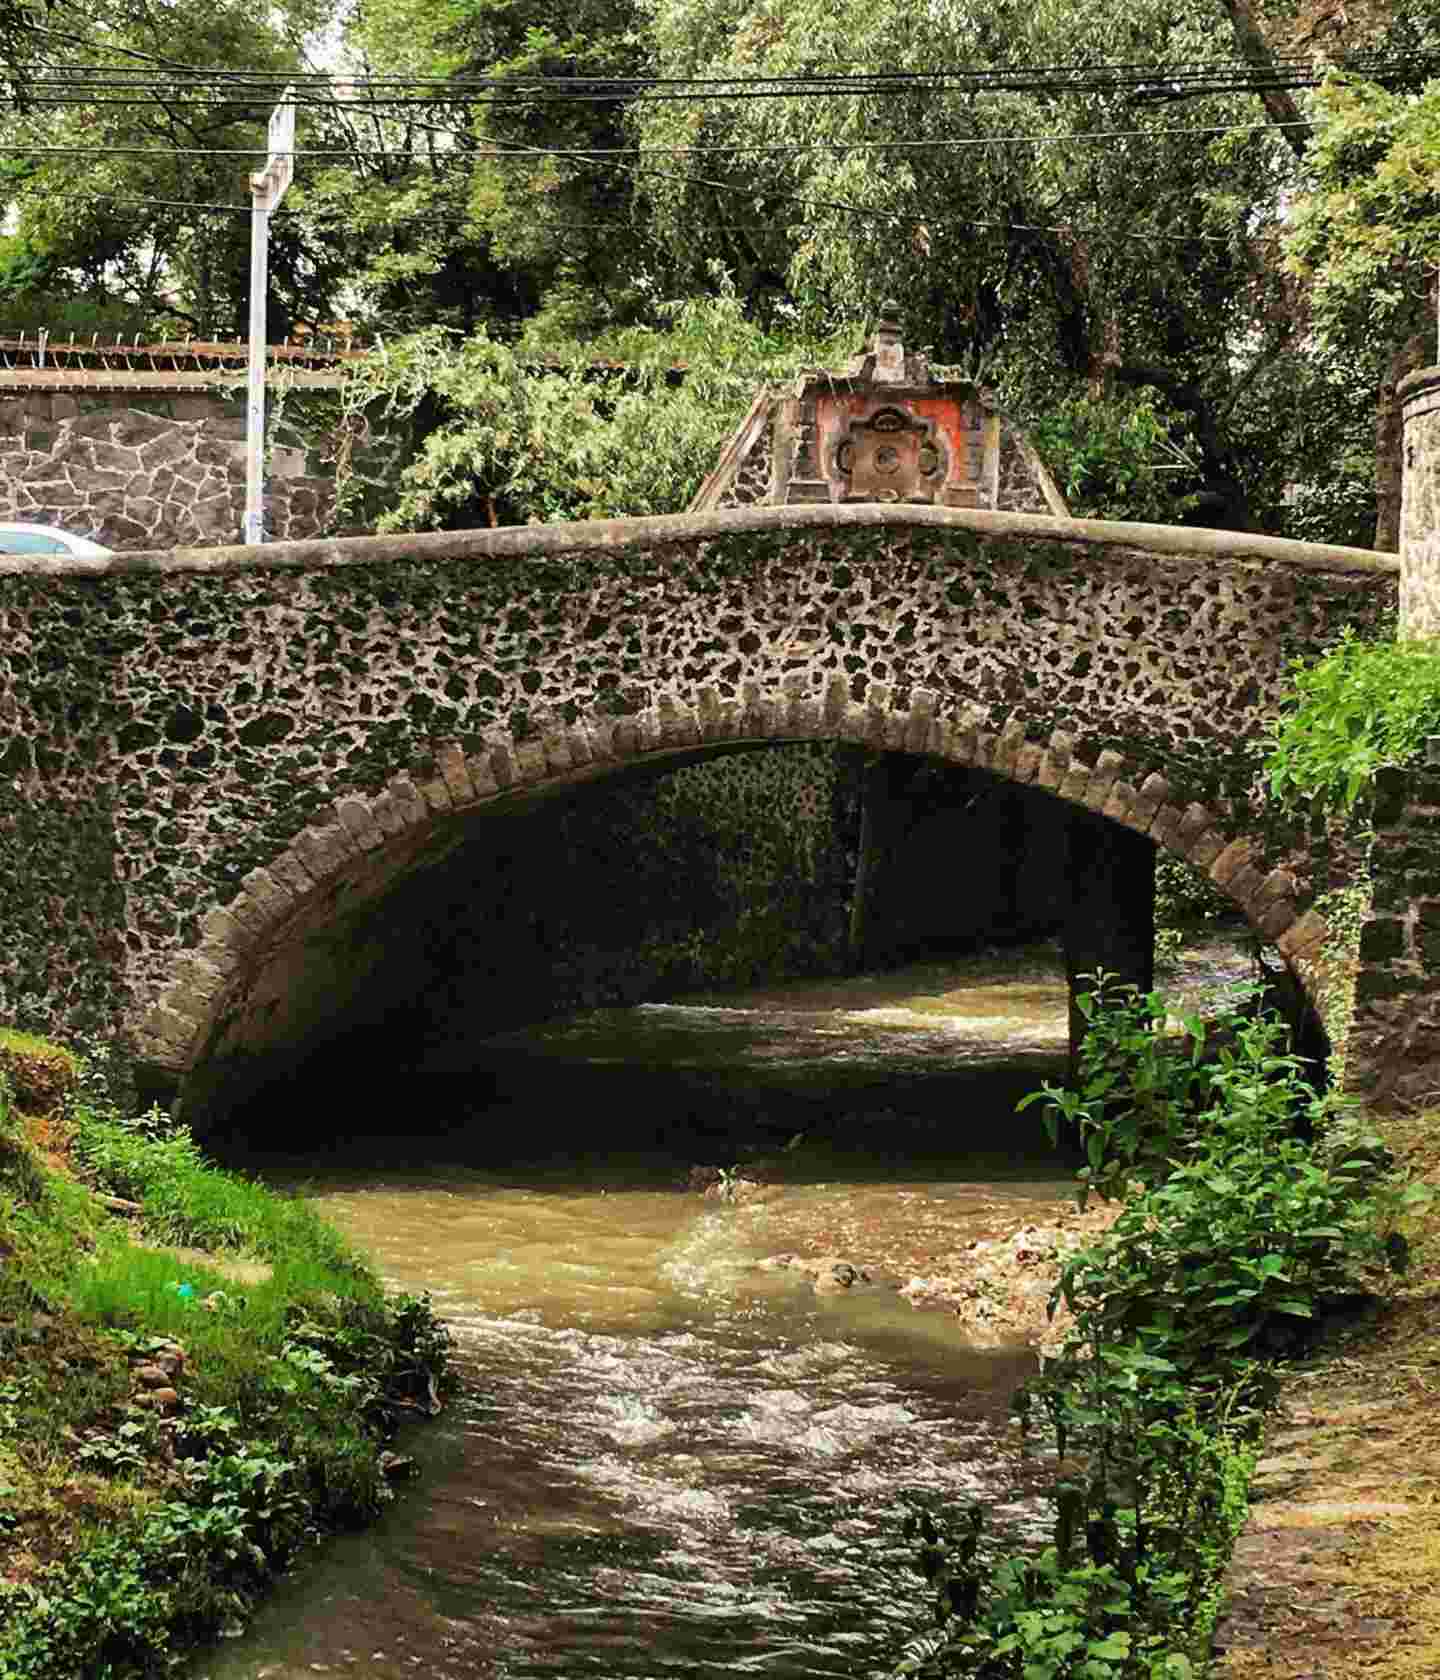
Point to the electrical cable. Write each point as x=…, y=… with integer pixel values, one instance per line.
x=1159, y=78
x=491, y=153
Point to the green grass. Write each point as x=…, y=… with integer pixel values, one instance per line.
x=187, y=1200
x=124, y=1543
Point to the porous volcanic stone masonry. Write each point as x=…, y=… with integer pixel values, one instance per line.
x=1420, y=507
x=209, y=760
x=150, y=472
x=1395, y=1038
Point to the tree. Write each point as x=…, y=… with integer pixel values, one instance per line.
x=1365, y=237
x=139, y=215
x=487, y=213
x=501, y=437
x=1056, y=242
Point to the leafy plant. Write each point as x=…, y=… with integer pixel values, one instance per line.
x=1134, y=1097
x=122, y=1452
x=1362, y=706
x=1118, y=457
x=1251, y=1202
x=548, y=431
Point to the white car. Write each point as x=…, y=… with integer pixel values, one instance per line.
x=16, y=537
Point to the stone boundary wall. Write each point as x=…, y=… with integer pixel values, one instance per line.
x=208, y=757
x=150, y=471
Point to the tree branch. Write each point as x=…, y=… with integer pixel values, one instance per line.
x=1252, y=46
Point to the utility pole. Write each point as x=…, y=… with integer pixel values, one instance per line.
x=267, y=189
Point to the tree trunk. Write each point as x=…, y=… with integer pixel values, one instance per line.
x=1279, y=104
x=1390, y=442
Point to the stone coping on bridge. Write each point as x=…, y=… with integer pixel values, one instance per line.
x=610, y=535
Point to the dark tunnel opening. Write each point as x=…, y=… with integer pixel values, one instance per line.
x=735, y=867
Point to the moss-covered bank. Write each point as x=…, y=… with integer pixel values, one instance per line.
x=197, y=1378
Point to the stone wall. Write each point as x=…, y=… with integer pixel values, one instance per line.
x=1394, y=1049
x=158, y=472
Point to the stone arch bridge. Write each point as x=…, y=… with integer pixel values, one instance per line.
x=208, y=757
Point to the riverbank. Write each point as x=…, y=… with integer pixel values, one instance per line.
x=198, y=1378
x=1339, y=1562
x=1338, y=1568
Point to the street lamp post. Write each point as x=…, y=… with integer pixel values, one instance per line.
x=266, y=189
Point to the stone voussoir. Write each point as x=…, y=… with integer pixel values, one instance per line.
x=1055, y=764
x=1121, y=802
x=450, y=761
x=1305, y=937
x=409, y=802
x=386, y=811
x=361, y=822
x=1027, y=762
x=482, y=776
x=1149, y=800
x=1238, y=855
x=1108, y=768
x=1205, y=847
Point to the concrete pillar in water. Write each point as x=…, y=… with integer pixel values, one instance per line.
x=1110, y=923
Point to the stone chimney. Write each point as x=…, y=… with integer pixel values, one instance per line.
x=1420, y=507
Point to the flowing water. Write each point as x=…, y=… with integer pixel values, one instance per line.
x=663, y=1461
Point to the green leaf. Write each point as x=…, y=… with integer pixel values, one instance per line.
x=1115, y=1645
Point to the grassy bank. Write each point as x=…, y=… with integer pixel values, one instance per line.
x=1252, y=1212
x=197, y=1378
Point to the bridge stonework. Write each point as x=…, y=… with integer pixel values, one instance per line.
x=208, y=757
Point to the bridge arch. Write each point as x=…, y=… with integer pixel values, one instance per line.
x=359, y=845
x=215, y=751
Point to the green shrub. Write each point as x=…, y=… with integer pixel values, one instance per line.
x=1251, y=1204
x=1119, y=457
x=189, y=1567
x=1362, y=706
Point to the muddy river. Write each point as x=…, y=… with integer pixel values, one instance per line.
x=665, y=1459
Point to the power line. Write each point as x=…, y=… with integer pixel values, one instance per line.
x=608, y=85
x=903, y=217
x=492, y=153
x=1157, y=79
x=752, y=192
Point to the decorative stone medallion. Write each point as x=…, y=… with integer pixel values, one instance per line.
x=890, y=456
